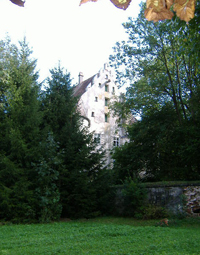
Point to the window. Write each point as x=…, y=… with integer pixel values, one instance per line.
x=106, y=101
x=106, y=88
x=115, y=141
x=106, y=76
x=106, y=117
x=113, y=90
x=97, y=138
x=96, y=99
x=99, y=84
x=92, y=114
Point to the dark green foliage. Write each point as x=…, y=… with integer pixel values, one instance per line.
x=27, y=166
x=88, y=197
x=134, y=195
x=80, y=163
x=161, y=62
x=47, y=175
x=20, y=120
x=160, y=149
x=105, y=194
x=49, y=164
x=80, y=200
x=154, y=212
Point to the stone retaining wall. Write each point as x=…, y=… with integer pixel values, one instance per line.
x=192, y=194
x=176, y=198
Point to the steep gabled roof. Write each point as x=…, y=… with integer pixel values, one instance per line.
x=80, y=89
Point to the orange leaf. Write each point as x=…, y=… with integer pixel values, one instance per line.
x=153, y=15
x=85, y=1
x=122, y=4
x=18, y=2
x=169, y=3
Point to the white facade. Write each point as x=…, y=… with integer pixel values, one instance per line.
x=95, y=95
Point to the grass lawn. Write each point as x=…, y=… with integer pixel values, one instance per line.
x=102, y=236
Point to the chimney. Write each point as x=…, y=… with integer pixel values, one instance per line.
x=80, y=78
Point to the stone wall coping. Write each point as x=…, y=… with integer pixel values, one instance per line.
x=165, y=184
x=171, y=184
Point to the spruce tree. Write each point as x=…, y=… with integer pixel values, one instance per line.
x=80, y=162
x=19, y=129
x=27, y=150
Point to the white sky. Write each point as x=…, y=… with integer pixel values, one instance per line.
x=81, y=37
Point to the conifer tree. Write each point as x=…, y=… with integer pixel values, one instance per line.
x=27, y=150
x=80, y=162
x=19, y=129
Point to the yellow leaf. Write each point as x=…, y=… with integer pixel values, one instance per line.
x=184, y=12
x=122, y=4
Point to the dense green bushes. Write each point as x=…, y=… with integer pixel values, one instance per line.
x=134, y=195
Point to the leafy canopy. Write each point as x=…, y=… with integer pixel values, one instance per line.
x=160, y=61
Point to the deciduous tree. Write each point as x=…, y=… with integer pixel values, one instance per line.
x=161, y=65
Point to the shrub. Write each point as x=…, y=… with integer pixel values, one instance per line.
x=154, y=212
x=134, y=195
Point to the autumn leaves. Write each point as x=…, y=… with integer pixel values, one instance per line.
x=155, y=9
x=163, y=9
x=160, y=9
x=122, y=4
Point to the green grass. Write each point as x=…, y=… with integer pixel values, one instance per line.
x=102, y=236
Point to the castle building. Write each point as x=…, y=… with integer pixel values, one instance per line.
x=95, y=94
